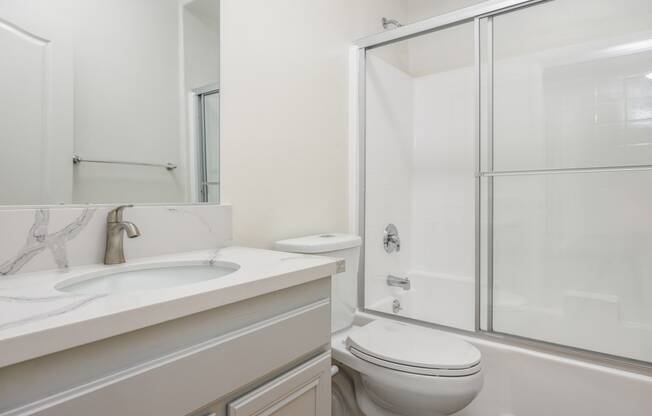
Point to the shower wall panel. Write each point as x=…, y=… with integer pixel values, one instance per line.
x=389, y=162
x=420, y=176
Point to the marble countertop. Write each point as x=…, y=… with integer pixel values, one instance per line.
x=36, y=319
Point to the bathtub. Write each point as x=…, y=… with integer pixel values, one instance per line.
x=583, y=320
x=447, y=300
x=523, y=382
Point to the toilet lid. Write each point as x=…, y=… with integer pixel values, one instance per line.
x=439, y=372
x=412, y=346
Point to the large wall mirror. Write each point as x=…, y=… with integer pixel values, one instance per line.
x=109, y=101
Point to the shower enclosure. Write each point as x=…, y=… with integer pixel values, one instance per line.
x=510, y=143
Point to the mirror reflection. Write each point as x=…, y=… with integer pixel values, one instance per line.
x=109, y=101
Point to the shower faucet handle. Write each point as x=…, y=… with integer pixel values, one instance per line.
x=391, y=240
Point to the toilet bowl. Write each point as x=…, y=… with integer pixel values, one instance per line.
x=408, y=370
x=398, y=369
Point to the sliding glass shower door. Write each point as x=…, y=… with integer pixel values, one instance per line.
x=512, y=151
x=566, y=168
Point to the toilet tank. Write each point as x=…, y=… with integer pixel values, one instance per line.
x=344, y=286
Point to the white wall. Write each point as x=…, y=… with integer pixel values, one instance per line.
x=423, y=9
x=201, y=40
x=285, y=114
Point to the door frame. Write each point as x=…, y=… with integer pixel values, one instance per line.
x=198, y=176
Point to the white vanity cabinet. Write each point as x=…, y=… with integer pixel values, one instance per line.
x=268, y=355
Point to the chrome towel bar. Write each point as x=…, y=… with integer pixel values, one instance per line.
x=76, y=159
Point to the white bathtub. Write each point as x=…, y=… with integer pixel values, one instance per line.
x=447, y=300
x=583, y=320
x=523, y=382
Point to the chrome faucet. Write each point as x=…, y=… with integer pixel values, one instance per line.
x=402, y=282
x=391, y=240
x=114, y=253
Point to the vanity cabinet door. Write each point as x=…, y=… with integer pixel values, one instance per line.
x=303, y=391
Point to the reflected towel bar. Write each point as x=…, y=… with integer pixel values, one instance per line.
x=76, y=159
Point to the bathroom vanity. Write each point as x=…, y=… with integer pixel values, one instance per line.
x=67, y=349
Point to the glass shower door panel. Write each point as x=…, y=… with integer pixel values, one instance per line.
x=573, y=85
x=572, y=260
x=419, y=143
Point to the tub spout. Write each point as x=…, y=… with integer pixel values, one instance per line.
x=402, y=282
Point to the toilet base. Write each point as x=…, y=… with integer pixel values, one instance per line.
x=380, y=391
x=366, y=404
x=408, y=395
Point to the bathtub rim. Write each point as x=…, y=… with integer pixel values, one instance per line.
x=562, y=353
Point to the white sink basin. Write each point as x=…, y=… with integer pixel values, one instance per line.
x=145, y=277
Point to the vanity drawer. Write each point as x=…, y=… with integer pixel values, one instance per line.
x=178, y=383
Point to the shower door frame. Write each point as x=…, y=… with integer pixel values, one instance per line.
x=476, y=14
x=202, y=162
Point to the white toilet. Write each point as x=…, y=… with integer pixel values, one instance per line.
x=400, y=369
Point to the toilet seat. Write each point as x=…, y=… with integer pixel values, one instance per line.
x=424, y=371
x=413, y=349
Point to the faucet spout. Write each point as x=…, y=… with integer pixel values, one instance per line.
x=131, y=229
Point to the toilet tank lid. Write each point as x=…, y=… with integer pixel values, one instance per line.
x=319, y=243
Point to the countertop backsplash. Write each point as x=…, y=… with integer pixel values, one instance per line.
x=36, y=239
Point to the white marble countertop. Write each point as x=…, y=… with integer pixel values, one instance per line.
x=36, y=319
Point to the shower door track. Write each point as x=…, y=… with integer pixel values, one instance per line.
x=484, y=11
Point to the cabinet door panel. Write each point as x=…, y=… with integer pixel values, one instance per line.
x=304, y=391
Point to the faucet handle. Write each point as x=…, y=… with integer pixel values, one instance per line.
x=391, y=240
x=115, y=215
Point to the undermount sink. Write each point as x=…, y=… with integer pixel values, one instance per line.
x=138, y=278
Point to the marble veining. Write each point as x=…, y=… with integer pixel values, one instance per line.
x=37, y=299
x=50, y=313
x=39, y=240
x=195, y=215
x=213, y=258
x=75, y=236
